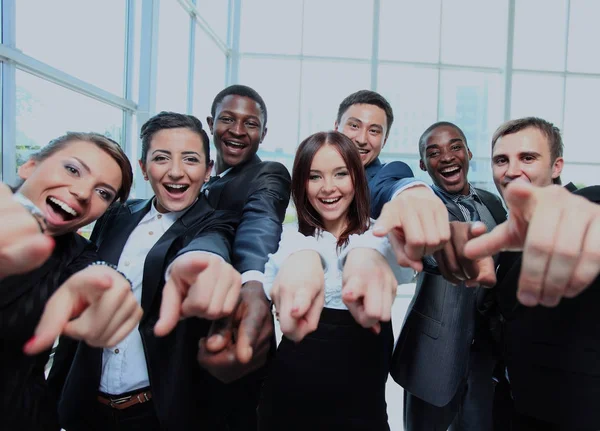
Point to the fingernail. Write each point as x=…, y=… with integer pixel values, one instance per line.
x=216, y=338
x=527, y=299
x=28, y=345
x=549, y=301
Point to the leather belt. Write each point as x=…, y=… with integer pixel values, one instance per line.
x=121, y=403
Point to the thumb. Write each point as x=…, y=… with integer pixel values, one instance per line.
x=520, y=198
x=476, y=229
x=188, y=266
x=69, y=300
x=220, y=334
x=302, y=302
x=487, y=272
x=170, y=308
x=490, y=243
x=352, y=291
x=385, y=223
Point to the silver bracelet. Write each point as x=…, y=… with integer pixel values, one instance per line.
x=33, y=210
x=111, y=266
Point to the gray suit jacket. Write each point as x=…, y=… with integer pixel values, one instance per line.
x=431, y=357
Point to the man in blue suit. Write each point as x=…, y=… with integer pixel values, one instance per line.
x=401, y=203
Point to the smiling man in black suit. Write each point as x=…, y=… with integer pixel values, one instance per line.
x=238, y=347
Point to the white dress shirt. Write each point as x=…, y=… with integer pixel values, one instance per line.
x=124, y=366
x=333, y=261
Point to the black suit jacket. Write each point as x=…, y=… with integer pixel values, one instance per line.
x=432, y=353
x=26, y=401
x=184, y=394
x=259, y=192
x=553, y=354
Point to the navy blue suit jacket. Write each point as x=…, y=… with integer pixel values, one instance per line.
x=384, y=180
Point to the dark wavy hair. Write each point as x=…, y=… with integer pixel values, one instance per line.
x=309, y=220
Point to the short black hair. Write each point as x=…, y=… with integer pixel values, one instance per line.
x=172, y=120
x=367, y=97
x=240, y=90
x=427, y=132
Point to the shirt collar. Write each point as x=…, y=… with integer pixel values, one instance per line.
x=172, y=216
x=225, y=172
x=457, y=197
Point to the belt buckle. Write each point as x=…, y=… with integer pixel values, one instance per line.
x=117, y=401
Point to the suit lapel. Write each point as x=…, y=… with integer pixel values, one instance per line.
x=214, y=194
x=494, y=205
x=111, y=246
x=452, y=208
x=159, y=257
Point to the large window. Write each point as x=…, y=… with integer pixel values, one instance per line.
x=83, y=38
x=108, y=67
x=46, y=111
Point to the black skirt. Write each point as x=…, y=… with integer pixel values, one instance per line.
x=334, y=379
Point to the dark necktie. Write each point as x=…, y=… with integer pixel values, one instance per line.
x=469, y=204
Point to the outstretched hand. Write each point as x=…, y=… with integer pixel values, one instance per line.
x=559, y=235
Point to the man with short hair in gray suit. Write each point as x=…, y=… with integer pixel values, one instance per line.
x=444, y=357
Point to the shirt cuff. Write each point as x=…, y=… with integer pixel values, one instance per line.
x=365, y=240
x=253, y=275
x=407, y=183
x=168, y=271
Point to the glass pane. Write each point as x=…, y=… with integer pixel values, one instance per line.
x=340, y=28
x=135, y=69
x=474, y=32
x=581, y=174
x=209, y=74
x=474, y=101
x=413, y=93
x=281, y=35
x=282, y=99
x=324, y=86
x=46, y=111
x=216, y=14
x=539, y=42
x=173, y=57
x=84, y=39
x=581, y=120
x=584, y=34
x=400, y=21
x=537, y=96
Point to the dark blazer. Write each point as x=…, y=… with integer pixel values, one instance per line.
x=259, y=192
x=553, y=354
x=183, y=393
x=383, y=181
x=26, y=401
x=432, y=353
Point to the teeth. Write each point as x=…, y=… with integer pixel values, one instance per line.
x=66, y=208
x=451, y=169
x=235, y=144
x=330, y=201
x=176, y=186
x=363, y=151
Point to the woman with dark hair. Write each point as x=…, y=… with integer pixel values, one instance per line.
x=68, y=184
x=333, y=378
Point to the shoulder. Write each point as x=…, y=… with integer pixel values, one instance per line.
x=484, y=194
x=591, y=193
x=395, y=169
x=271, y=168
